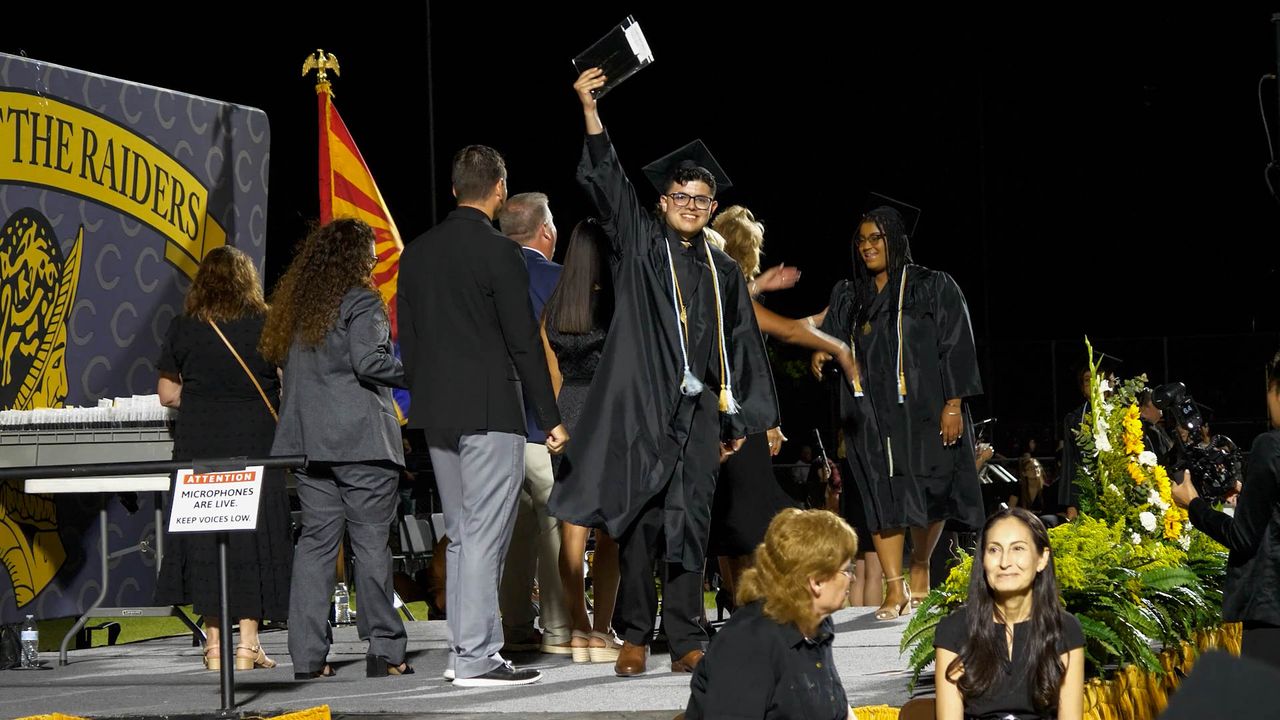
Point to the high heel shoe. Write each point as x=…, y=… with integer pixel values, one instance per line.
x=212, y=662
x=249, y=657
x=325, y=672
x=890, y=612
x=376, y=666
x=724, y=602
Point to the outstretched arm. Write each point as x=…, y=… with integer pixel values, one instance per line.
x=804, y=334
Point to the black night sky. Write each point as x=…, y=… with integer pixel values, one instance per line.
x=1080, y=172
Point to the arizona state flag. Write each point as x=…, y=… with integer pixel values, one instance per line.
x=347, y=189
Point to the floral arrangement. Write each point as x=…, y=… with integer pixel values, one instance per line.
x=1130, y=567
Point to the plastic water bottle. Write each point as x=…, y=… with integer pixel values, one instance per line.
x=341, y=604
x=30, y=643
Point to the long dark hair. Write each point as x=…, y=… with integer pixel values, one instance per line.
x=583, y=299
x=985, y=651
x=897, y=245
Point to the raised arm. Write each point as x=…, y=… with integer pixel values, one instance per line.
x=625, y=221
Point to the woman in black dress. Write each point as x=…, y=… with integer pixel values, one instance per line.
x=1011, y=651
x=747, y=493
x=575, y=323
x=222, y=414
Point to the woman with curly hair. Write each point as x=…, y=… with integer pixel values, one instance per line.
x=329, y=332
x=1011, y=650
x=773, y=659
x=222, y=413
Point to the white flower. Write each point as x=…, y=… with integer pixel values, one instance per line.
x=1104, y=386
x=1136, y=539
x=1153, y=498
x=1147, y=458
x=1184, y=541
x=1112, y=487
x=1102, y=442
x=1148, y=521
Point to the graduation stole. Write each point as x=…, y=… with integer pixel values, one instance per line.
x=690, y=385
x=902, y=372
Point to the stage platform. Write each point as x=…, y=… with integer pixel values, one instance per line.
x=165, y=678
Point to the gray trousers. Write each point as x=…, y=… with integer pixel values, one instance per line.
x=478, y=476
x=359, y=499
x=535, y=543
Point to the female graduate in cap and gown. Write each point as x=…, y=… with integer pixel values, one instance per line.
x=907, y=430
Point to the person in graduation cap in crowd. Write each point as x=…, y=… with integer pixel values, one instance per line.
x=683, y=379
x=910, y=441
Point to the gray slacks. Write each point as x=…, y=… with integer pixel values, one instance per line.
x=478, y=476
x=360, y=499
x=535, y=543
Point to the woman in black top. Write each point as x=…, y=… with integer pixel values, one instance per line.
x=221, y=414
x=1011, y=651
x=772, y=660
x=575, y=325
x=1252, y=593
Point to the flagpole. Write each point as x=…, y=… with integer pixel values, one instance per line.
x=431, y=121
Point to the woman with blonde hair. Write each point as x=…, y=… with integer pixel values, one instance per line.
x=773, y=659
x=747, y=493
x=226, y=393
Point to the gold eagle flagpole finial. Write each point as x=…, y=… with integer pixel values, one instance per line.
x=321, y=63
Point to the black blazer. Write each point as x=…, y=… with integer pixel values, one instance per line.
x=467, y=333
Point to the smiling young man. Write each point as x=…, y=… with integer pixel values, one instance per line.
x=682, y=380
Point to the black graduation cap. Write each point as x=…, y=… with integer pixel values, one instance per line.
x=695, y=154
x=910, y=213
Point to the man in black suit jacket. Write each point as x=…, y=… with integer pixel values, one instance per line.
x=469, y=343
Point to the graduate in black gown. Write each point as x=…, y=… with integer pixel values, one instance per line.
x=908, y=433
x=683, y=378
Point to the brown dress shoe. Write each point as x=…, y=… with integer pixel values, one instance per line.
x=687, y=663
x=631, y=660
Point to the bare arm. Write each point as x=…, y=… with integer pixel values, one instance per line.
x=169, y=388
x=1071, y=694
x=553, y=363
x=950, y=703
x=805, y=334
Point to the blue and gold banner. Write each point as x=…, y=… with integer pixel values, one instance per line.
x=111, y=193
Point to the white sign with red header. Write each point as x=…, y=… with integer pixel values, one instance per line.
x=215, y=501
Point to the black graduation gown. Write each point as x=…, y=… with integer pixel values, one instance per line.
x=631, y=441
x=905, y=475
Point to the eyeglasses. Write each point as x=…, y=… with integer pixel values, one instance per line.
x=701, y=202
x=871, y=240
x=848, y=571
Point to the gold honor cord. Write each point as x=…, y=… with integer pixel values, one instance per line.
x=48, y=143
x=902, y=371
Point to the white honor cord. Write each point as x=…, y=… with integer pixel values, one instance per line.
x=689, y=385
